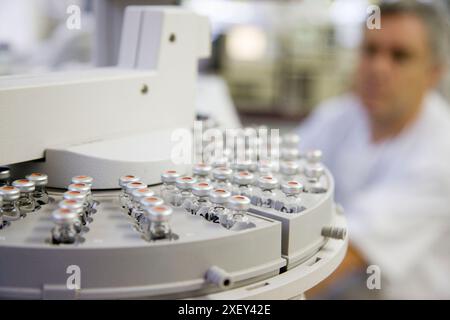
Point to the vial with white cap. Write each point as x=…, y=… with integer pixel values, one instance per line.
x=129, y=189
x=64, y=231
x=243, y=181
x=9, y=208
x=137, y=195
x=168, y=190
x=87, y=180
x=81, y=198
x=159, y=218
x=201, y=172
x=185, y=197
x=5, y=175
x=266, y=195
x=200, y=204
x=219, y=211
x=238, y=206
x=76, y=207
x=222, y=177
x=123, y=181
x=40, y=193
x=291, y=202
x=26, y=202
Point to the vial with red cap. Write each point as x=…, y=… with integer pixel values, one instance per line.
x=64, y=231
x=201, y=172
x=123, y=181
x=266, y=191
x=26, y=202
x=9, y=208
x=219, y=211
x=142, y=223
x=185, y=197
x=291, y=202
x=137, y=195
x=159, y=218
x=200, y=204
x=79, y=197
x=222, y=178
x=129, y=189
x=40, y=193
x=88, y=181
x=77, y=207
x=168, y=190
x=238, y=206
x=243, y=183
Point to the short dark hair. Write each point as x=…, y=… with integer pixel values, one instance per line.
x=434, y=15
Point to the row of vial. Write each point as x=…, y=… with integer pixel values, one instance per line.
x=152, y=212
x=308, y=170
x=20, y=197
x=74, y=212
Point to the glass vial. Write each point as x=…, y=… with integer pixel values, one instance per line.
x=89, y=181
x=313, y=174
x=266, y=168
x=123, y=181
x=238, y=206
x=184, y=197
x=40, y=193
x=86, y=190
x=243, y=181
x=26, y=201
x=219, y=211
x=266, y=195
x=137, y=195
x=288, y=170
x=291, y=202
x=129, y=189
x=146, y=204
x=201, y=172
x=64, y=231
x=222, y=177
x=168, y=190
x=9, y=209
x=200, y=204
x=75, y=207
x=81, y=198
x=159, y=218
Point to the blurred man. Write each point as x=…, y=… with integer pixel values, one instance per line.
x=387, y=144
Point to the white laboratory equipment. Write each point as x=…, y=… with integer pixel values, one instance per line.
x=116, y=124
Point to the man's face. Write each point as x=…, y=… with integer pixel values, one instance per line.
x=395, y=68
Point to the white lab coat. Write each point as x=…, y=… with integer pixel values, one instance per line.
x=396, y=194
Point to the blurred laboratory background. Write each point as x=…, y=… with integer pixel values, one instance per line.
x=278, y=59
x=272, y=63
